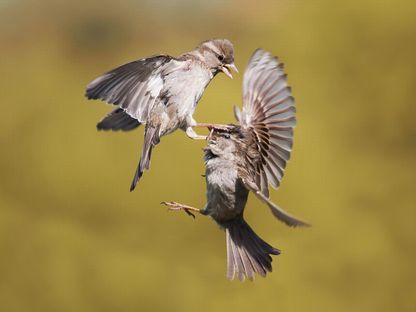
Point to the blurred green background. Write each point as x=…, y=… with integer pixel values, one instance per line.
x=72, y=237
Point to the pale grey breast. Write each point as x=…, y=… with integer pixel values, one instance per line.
x=226, y=194
x=184, y=86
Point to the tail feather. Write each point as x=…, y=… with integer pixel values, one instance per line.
x=245, y=267
x=260, y=261
x=247, y=253
x=259, y=252
x=230, y=257
x=238, y=258
x=151, y=138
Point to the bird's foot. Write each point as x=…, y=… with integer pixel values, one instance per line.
x=193, y=135
x=174, y=206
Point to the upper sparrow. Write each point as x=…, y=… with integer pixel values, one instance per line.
x=160, y=91
x=247, y=158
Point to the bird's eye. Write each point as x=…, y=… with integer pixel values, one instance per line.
x=220, y=58
x=226, y=135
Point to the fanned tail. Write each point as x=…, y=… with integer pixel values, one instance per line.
x=247, y=253
x=151, y=138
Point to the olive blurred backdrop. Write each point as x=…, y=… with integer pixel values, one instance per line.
x=74, y=239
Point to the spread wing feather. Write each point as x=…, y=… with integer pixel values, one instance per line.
x=116, y=120
x=269, y=114
x=278, y=212
x=134, y=86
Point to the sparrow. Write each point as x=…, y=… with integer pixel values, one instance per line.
x=248, y=158
x=161, y=92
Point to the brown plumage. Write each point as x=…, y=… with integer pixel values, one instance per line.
x=161, y=92
x=248, y=158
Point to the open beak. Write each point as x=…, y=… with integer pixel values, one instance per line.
x=211, y=131
x=226, y=69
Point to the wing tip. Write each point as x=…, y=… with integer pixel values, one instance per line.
x=90, y=96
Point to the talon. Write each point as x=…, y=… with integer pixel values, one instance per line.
x=167, y=203
x=171, y=205
x=174, y=206
x=189, y=213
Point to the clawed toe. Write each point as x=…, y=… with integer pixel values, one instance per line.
x=174, y=206
x=189, y=213
x=166, y=203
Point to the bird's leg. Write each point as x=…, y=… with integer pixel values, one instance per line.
x=191, y=123
x=193, y=135
x=213, y=126
x=174, y=206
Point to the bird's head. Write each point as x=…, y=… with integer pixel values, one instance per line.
x=224, y=143
x=218, y=55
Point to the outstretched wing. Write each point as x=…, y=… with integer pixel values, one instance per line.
x=278, y=212
x=269, y=114
x=133, y=86
x=117, y=120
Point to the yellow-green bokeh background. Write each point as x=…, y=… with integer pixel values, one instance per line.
x=72, y=237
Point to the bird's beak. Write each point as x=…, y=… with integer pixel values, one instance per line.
x=233, y=67
x=210, y=134
x=226, y=69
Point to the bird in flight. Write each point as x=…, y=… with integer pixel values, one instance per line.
x=249, y=157
x=161, y=92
